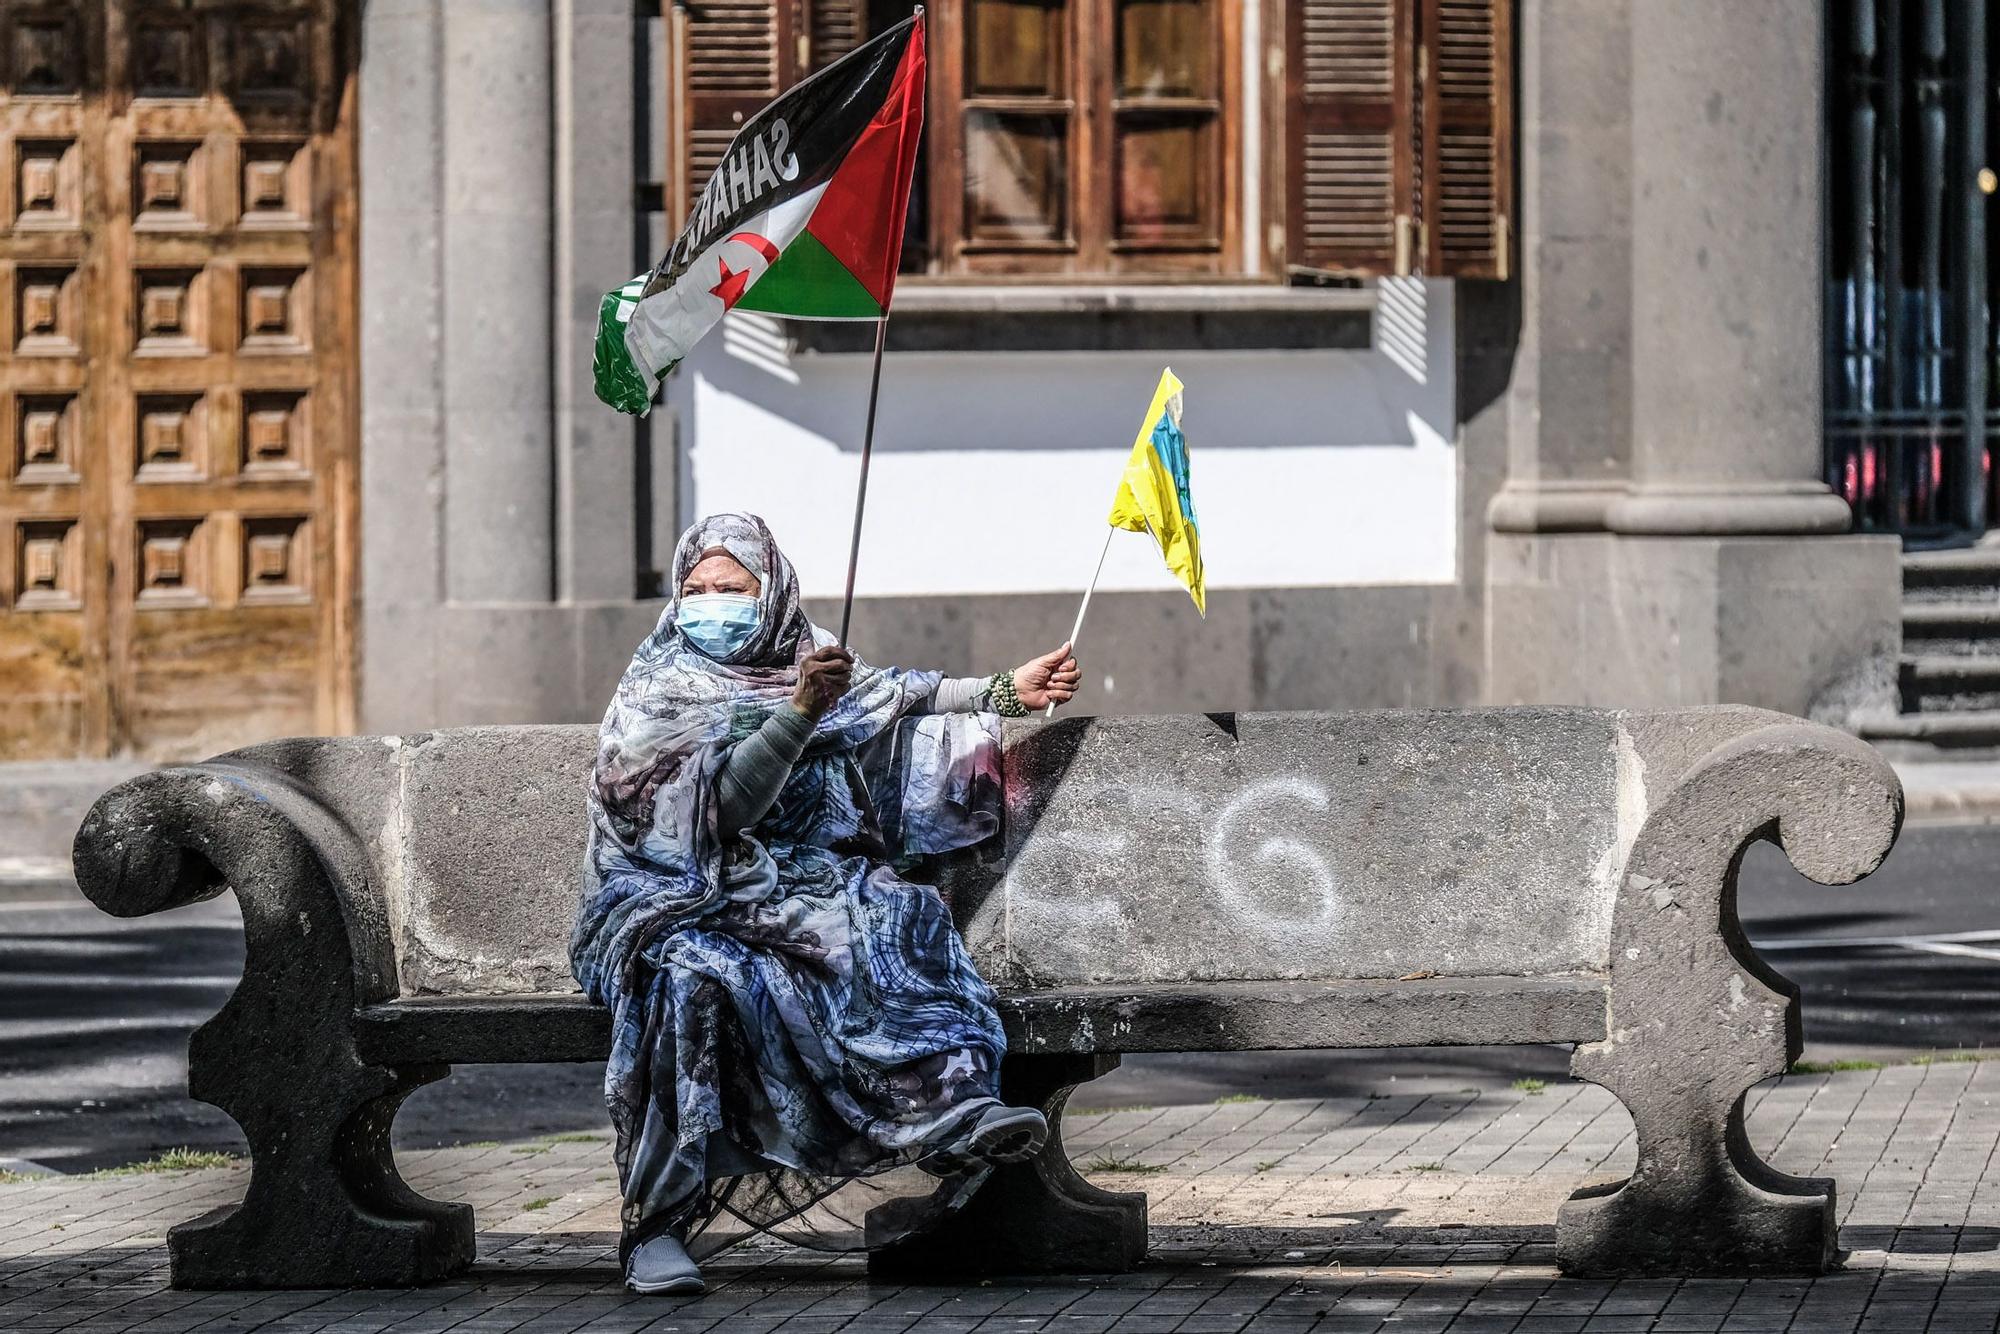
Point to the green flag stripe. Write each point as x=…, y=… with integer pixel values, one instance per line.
x=617, y=379
x=808, y=282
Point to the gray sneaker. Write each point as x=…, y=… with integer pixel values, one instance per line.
x=662, y=1266
x=1002, y=1134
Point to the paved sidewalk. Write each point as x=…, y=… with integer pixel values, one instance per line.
x=1405, y=1213
x=41, y=804
x=1951, y=791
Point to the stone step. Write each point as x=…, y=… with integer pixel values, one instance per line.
x=1965, y=622
x=1977, y=567
x=1970, y=594
x=1951, y=683
x=1953, y=573
x=1978, y=728
x=1941, y=673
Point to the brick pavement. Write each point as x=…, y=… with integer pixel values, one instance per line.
x=1401, y=1213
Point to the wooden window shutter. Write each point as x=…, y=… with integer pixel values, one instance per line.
x=730, y=57
x=835, y=27
x=1350, y=153
x=1466, y=186
x=1400, y=137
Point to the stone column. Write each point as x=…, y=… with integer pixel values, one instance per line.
x=402, y=362
x=499, y=502
x=497, y=205
x=1569, y=404
x=1664, y=538
x=596, y=244
x=1727, y=127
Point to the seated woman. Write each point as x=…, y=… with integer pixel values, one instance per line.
x=782, y=1000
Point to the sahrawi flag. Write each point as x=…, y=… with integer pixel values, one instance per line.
x=804, y=218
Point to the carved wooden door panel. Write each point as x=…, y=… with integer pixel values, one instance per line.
x=177, y=496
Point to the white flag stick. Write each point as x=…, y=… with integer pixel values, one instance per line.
x=1080, y=611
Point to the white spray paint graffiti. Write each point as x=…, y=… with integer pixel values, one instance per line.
x=1064, y=894
x=1304, y=872
x=1290, y=871
x=1087, y=921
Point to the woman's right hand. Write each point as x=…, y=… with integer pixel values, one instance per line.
x=824, y=677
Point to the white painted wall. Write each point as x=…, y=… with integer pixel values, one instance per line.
x=993, y=473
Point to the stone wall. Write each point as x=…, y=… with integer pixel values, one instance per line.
x=1288, y=648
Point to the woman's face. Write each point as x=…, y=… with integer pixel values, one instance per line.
x=720, y=572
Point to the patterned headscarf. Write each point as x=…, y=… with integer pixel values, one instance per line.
x=783, y=629
x=678, y=711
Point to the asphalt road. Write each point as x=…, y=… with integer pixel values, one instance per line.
x=95, y=1013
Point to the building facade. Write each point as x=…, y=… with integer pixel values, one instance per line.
x=1501, y=321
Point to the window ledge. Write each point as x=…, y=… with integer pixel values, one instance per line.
x=953, y=317
x=953, y=298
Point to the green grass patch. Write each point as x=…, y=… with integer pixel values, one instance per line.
x=187, y=1160
x=1229, y=1098
x=1107, y=1111
x=8, y=1178
x=173, y=1160
x=541, y=1202
x=1267, y=1164
x=1106, y=1163
x=1949, y=1058
x=1531, y=1087
x=1426, y=1167
x=576, y=1138
x=484, y=1144
x=1830, y=1067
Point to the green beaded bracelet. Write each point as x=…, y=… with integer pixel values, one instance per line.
x=1005, y=702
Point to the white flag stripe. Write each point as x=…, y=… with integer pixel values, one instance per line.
x=668, y=324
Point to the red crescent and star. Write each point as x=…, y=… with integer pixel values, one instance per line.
x=735, y=282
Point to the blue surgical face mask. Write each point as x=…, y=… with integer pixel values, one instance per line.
x=719, y=624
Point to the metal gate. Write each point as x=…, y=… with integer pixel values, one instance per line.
x=1911, y=403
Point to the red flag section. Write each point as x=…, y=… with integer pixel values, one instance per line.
x=860, y=220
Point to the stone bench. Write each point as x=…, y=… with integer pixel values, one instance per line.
x=1217, y=883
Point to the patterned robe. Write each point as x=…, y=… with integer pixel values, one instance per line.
x=788, y=1011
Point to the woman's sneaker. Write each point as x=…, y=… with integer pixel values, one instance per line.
x=662, y=1266
x=1001, y=1134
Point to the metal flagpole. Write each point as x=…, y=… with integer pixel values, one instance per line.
x=861, y=491
x=1077, y=630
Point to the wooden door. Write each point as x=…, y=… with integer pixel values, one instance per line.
x=177, y=514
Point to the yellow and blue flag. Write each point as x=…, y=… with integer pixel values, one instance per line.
x=1156, y=493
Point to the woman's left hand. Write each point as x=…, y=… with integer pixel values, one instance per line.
x=1049, y=679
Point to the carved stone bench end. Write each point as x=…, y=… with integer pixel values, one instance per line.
x=326, y=1207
